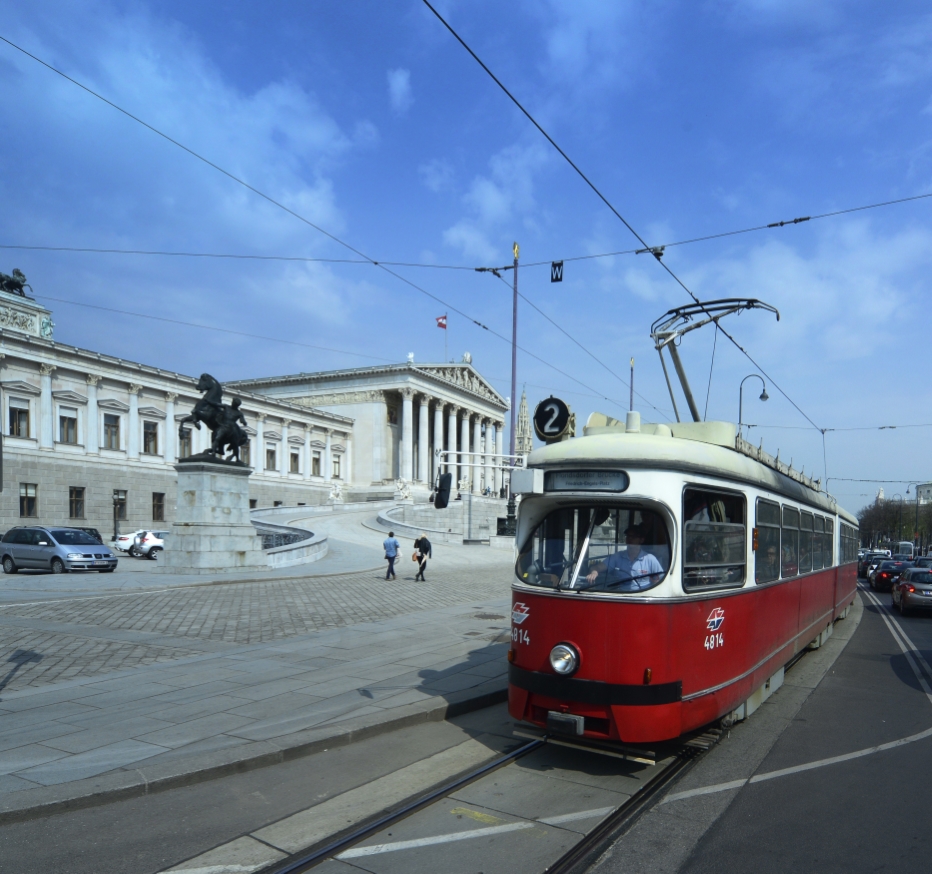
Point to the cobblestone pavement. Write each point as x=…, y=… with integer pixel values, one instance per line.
x=91, y=684
x=73, y=637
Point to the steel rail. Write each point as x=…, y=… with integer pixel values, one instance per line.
x=305, y=863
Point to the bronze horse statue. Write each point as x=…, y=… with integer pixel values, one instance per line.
x=222, y=419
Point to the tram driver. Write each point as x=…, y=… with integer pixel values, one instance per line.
x=630, y=567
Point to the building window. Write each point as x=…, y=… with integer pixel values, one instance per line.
x=28, y=503
x=76, y=502
x=150, y=438
x=19, y=418
x=276, y=503
x=158, y=506
x=67, y=425
x=244, y=453
x=315, y=464
x=119, y=503
x=295, y=463
x=111, y=431
x=184, y=444
x=253, y=503
x=270, y=459
x=336, y=466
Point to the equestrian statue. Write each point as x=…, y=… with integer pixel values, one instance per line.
x=14, y=284
x=223, y=420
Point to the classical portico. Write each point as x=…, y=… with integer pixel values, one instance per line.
x=409, y=411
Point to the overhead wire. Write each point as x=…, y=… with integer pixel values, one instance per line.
x=608, y=203
x=301, y=218
x=467, y=267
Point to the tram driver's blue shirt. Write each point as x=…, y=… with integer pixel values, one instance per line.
x=636, y=574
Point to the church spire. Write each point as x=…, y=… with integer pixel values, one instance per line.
x=524, y=442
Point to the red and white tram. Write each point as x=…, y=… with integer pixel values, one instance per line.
x=666, y=574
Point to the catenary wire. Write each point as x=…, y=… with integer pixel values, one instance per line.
x=298, y=216
x=299, y=258
x=566, y=333
x=608, y=203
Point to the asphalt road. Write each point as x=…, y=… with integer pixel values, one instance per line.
x=869, y=813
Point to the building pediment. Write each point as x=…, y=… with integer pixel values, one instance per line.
x=67, y=396
x=152, y=412
x=17, y=386
x=316, y=444
x=338, y=447
x=297, y=440
x=113, y=404
x=463, y=377
x=272, y=435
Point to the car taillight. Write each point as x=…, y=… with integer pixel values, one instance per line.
x=909, y=588
x=884, y=576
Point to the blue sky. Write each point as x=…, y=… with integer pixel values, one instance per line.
x=369, y=120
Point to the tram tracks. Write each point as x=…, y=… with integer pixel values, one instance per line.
x=363, y=844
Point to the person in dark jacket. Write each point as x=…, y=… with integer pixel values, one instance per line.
x=422, y=547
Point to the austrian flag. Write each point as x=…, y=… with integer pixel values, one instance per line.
x=441, y=322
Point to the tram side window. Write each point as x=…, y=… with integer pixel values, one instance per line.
x=714, y=540
x=767, y=557
x=828, y=544
x=806, y=543
x=818, y=544
x=789, y=556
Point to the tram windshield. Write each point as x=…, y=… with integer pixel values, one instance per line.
x=597, y=548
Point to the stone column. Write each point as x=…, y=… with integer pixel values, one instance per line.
x=490, y=451
x=285, y=464
x=46, y=411
x=407, y=433
x=438, y=439
x=423, y=468
x=498, y=451
x=91, y=434
x=328, y=457
x=476, y=455
x=257, y=449
x=306, y=453
x=451, y=445
x=464, y=447
x=132, y=443
x=348, y=459
x=171, y=432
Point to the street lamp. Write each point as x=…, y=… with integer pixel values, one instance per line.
x=763, y=396
x=899, y=519
x=116, y=518
x=916, y=529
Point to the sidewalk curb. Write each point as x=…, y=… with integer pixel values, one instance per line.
x=121, y=784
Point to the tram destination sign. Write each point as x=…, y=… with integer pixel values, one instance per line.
x=585, y=481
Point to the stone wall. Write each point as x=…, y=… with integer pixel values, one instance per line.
x=472, y=518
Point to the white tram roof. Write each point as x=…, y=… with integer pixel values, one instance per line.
x=708, y=448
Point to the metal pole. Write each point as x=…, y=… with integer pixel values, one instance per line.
x=514, y=353
x=631, y=401
x=683, y=381
x=666, y=376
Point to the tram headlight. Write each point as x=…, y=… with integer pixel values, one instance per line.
x=564, y=659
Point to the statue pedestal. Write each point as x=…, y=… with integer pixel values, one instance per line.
x=212, y=530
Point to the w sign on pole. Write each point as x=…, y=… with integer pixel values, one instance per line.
x=556, y=271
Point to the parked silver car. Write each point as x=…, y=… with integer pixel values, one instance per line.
x=150, y=543
x=54, y=549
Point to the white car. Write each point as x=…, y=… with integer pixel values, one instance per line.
x=151, y=543
x=126, y=542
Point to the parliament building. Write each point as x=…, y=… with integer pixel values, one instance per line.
x=88, y=436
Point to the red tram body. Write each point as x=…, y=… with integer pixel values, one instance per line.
x=645, y=655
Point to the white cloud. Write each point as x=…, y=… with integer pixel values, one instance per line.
x=437, y=175
x=399, y=90
x=497, y=201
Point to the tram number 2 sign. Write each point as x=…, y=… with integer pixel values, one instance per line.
x=551, y=419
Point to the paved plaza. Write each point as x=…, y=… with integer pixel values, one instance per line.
x=156, y=677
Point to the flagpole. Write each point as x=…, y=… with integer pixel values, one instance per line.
x=446, y=322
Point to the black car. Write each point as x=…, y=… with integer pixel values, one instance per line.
x=923, y=561
x=887, y=573
x=93, y=532
x=865, y=561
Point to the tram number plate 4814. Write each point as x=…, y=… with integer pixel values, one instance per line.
x=714, y=641
x=520, y=635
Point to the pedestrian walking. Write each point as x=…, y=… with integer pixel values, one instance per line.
x=423, y=552
x=392, y=546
